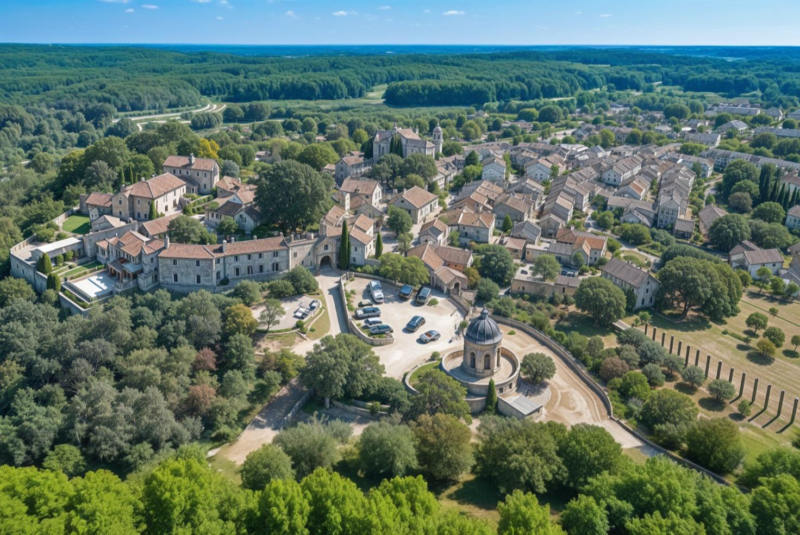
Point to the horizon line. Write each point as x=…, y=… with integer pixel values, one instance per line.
x=396, y=44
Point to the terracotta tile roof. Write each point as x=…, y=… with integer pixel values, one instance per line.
x=362, y=223
x=437, y=226
x=448, y=275
x=359, y=187
x=418, y=197
x=158, y=226
x=477, y=220
x=516, y=244
x=453, y=255
x=192, y=252
x=361, y=237
x=256, y=246
x=133, y=243
x=229, y=183
x=428, y=256
x=200, y=164
x=155, y=187
x=99, y=199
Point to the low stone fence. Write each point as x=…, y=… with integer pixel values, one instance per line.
x=289, y=418
x=562, y=353
x=352, y=409
x=353, y=328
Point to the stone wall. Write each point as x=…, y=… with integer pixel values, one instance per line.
x=353, y=328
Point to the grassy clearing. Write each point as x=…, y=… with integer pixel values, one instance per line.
x=472, y=497
x=321, y=326
x=80, y=270
x=225, y=467
x=77, y=224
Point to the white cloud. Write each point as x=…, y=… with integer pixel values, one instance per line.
x=149, y=6
x=384, y=8
x=426, y=10
x=225, y=3
x=292, y=15
x=220, y=18
x=340, y=13
x=605, y=15
x=452, y=12
x=129, y=11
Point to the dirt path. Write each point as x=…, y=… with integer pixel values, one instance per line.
x=571, y=401
x=265, y=426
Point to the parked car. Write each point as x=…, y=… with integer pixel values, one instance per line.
x=564, y=272
x=415, y=323
x=430, y=336
x=405, y=292
x=368, y=312
x=364, y=303
x=423, y=296
x=376, y=291
x=372, y=322
x=301, y=313
x=381, y=329
x=314, y=304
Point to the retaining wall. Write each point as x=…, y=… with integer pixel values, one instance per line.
x=562, y=353
x=353, y=328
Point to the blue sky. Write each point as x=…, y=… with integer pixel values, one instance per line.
x=677, y=22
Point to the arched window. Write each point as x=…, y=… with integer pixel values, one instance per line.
x=487, y=362
x=472, y=359
x=498, y=359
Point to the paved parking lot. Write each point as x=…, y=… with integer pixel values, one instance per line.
x=406, y=351
x=290, y=305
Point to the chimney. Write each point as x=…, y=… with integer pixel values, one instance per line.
x=224, y=246
x=166, y=241
x=233, y=240
x=191, y=159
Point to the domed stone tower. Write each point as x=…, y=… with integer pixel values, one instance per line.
x=482, y=343
x=438, y=138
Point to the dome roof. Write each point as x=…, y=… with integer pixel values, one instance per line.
x=483, y=330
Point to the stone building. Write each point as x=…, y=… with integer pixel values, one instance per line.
x=409, y=139
x=200, y=174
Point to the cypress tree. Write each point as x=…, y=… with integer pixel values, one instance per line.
x=54, y=282
x=378, y=245
x=491, y=398
x=153, y=213
x=795, y=194
x=781, y=199
x=344, y=248
x=773, y=191
x=44, y=265
x=763, y=185
x=507, y=224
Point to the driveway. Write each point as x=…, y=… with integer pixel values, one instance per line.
x=266, y=424
x=406, y=351
x=571, y=401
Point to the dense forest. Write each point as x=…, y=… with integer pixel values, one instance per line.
x=134, y=79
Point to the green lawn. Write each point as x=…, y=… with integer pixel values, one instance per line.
x=415, y=374
x=321, y=325
x=77, y=224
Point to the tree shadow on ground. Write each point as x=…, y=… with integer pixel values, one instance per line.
x=673, y=322
x=737, y=417
x=712, y=404
x=759, y=358
x=791, y=354
x=686, y=388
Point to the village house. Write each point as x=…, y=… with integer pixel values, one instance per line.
x=629, y=278
x=751, y=258
x=622, y=170
x=591, y=246
x=516, y=208
x=529, y=284
x=132, y=259
x=528, y=231
x=417, y=202
x=707, y=216
x=368, y=190
x=793, y=217
x=352, y=165
x=410, y=142
x=494, y=169
x=446, y=266
x=95, y=204
x=477, y=227
x=435, y=232
x=544, y=168
x=133, y=201
x=200, y=174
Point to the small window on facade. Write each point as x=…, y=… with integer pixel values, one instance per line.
x=174, y=262
x=197, y=263
x=174, y=277
x=198, y=279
